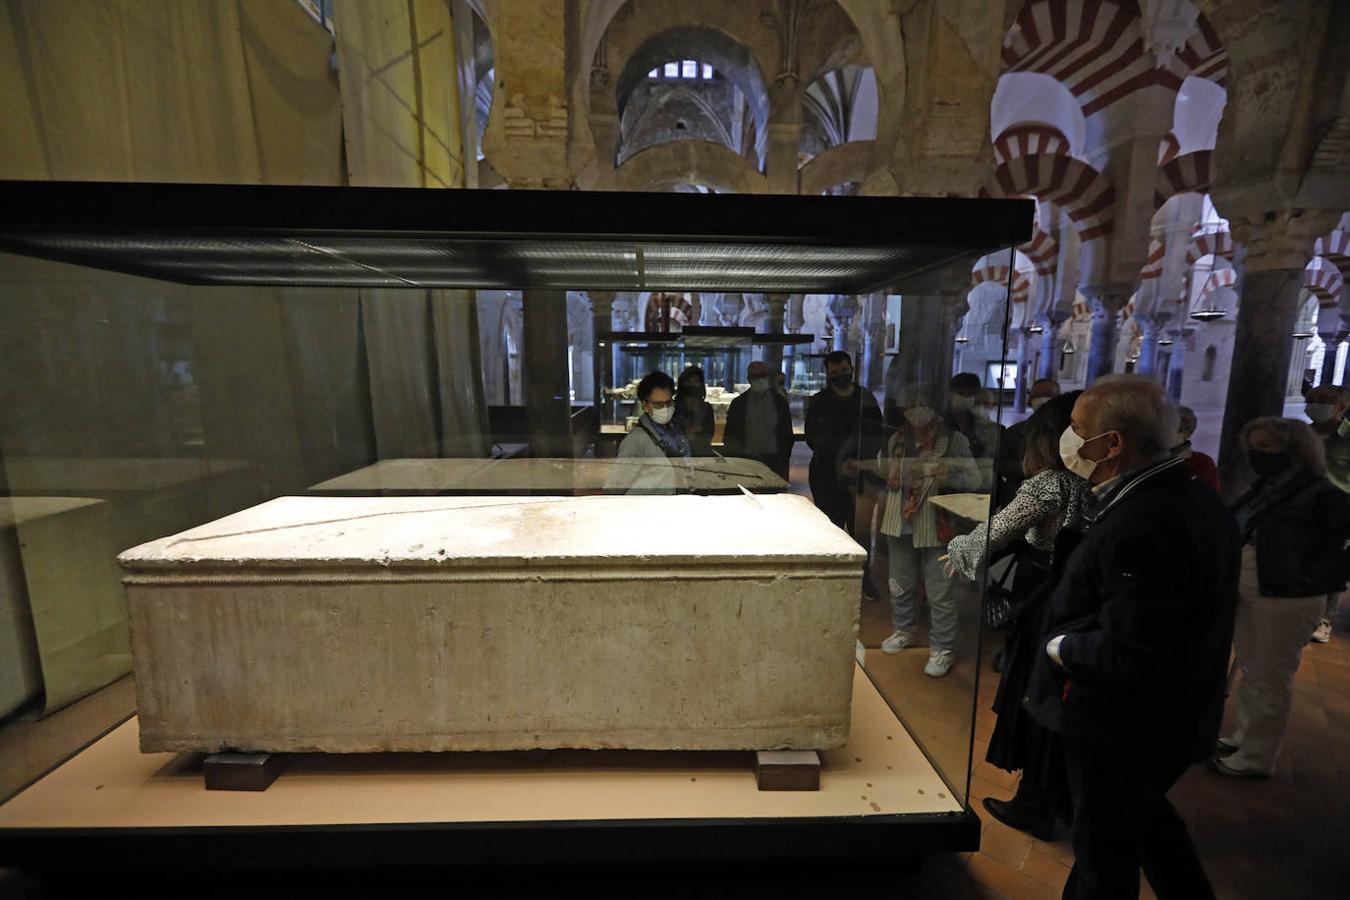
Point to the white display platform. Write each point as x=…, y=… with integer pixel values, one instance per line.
x=879, y=773
x=493, y=623
x=549, y=476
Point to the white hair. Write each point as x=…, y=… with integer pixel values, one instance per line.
x=1136, y=406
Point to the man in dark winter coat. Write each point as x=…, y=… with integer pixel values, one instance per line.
x=1138, y=632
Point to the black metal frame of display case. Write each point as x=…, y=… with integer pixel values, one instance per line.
x=546, y=240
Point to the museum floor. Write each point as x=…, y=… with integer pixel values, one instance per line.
x=1287, y=837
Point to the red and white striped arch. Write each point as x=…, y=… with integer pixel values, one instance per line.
x=1021, y=285
x=1219, y=278
x=666, y=311
x=1080, y=190
x=1335, y=249
x=1324, y=281
x=1168, y=148
x=1188, y=172
x=1096, y=49
x=1153, y=266
x=1043, y=251
x=1218, y=243
x=1030, y=140
x=1203, y=56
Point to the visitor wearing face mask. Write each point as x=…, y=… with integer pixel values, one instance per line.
x=644, y=458
x=925, y=457
x=1201, y=465
x=693, y=414
x=1012, y=445
x=759, y=423
x=1047, y=501
x=1295, y=524
x=843, y=425
x=1135, y=643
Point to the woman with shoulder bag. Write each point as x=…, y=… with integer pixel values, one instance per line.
x=1049, y=498
x=924, y=458
x=1295, y=525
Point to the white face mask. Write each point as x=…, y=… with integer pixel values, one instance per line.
x=918, y=416
x=1069, y=445
x=1038, y=402
x=1320, y=412
x=759, y=385
x=662, y=416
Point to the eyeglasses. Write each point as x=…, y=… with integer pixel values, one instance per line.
x=661, y=404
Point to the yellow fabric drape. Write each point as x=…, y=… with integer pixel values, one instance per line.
x=231, y=91
x=396, y=65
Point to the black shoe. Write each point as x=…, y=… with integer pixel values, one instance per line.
x=1039, y=825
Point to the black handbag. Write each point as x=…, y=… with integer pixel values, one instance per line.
x=1000, y=607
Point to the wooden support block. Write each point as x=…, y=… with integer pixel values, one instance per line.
x=787, y=770
x=242, y=771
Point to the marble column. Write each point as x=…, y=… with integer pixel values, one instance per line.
x=874, y=339
x=842, y=309
x=1024, y=338
x=602, y=322
x=1152, y=328
x=1049, y=367
x=1176, y=368
x=1332, y=342
x=1106, y=302
x=1261, y=358
x=776, y=304
x=548, y=410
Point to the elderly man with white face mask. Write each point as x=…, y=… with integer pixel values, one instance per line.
x=1138, y=630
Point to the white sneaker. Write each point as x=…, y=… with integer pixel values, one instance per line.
x=898, y=641
x=939, y=663
x=1322, y=633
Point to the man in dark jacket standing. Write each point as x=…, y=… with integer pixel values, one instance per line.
x=843, y=425
x=1138, y=631
x=759, y=423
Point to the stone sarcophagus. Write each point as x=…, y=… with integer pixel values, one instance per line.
x=497, y=623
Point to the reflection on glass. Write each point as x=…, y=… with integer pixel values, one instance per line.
x=138, y=409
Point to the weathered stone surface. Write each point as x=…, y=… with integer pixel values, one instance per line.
x=553, y=476
x=480, y=623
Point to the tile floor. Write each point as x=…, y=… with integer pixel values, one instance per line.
x=1288, y=837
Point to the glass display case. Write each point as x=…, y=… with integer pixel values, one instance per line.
x=282, y=388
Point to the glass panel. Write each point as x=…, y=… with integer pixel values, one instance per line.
x=137, y=408
x=707, y=71
x=926, y=475
x=689, y=69
x=672, y=70
x=654, y=73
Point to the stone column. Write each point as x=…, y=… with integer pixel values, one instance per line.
x=1152, y=327
x=842, y=309
x=1024, y=338
x=776, y=304
x=548, y=410
x=1050, y=344
x=1106, y=301
x=1332, y=342
x=1264, y=350
x=1177, y=367
x=874, y=339
x=602, y=321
